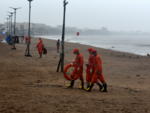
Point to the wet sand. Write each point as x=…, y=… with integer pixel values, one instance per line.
x=32, y=85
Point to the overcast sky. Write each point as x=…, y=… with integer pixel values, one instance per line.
x=115, y=15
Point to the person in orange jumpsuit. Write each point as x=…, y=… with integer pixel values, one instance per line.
x=97, y=72
x=40, y=47
x=40, y=39
x=78, y=70
x=89, y=67
x=89, y=71
x=26, y=39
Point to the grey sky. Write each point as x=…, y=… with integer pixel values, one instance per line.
x=114, y=14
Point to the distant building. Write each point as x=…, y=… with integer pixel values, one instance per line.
x=24, y=25
x=59, y=27
x=104, y=29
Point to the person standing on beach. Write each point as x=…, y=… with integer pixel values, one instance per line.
x=78, y=70
x=26, y=39
x=40, y=39
x=89, y=71
x=97, y=72
x=40, y=47
x=58, y=44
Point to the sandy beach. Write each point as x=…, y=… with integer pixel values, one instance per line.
x=32, y=85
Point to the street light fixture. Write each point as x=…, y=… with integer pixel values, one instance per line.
x=27, y=49
x=11, y=24
x=14, y=26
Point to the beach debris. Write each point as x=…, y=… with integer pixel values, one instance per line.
x=55, y=57
x=148, y=55
x=125, y=88
x=137, y=90
x=129, y=56
x=38, y=81
x=5, y=76
x=60, y=85
x=3, y=41
x=111, y=53
x=123, y=55
x=137, y=75
x=137, y=57
x=66, y=52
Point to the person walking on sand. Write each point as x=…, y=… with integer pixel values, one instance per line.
x=58, y=44
x=78, y=70
x=40, y=47
x=97, y=72
x=40, y=39
x=89, y=71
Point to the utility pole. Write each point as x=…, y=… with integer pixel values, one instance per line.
x=14, y=27
x=28, y=54
x=63, y=36
x=11, y=25
x=7, y=26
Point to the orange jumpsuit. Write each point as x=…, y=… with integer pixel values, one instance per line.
x=26, y=39
x=89, y=67
x=78, y=64
x=97, y=66
x=40, y=46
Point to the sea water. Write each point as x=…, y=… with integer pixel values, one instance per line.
x=131, y=44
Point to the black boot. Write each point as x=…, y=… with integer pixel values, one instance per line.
x=39, y=55
x=82, y=85
x=100, y=86
x=105, y=87
x=90, y=87
x=71, y=84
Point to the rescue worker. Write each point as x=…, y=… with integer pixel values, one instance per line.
x=26, y=39
x=97, y=72
x=40, y=47
x=40, y=39
x=89, y=71
x=78, y=70
x=89, y=67
x=58, y=44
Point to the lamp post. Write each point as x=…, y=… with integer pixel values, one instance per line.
x=7, y=26
x=11, y=25
x=28, y=50
x=63, y=35
x=14, y=26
